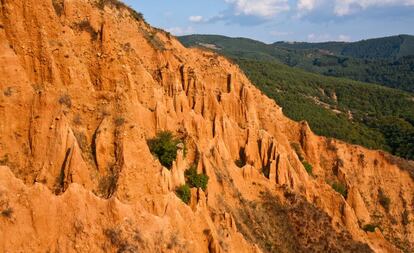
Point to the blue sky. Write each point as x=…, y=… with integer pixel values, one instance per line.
x=276, y=20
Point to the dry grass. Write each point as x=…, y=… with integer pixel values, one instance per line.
x=292, y=226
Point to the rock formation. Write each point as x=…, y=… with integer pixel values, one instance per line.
x=85, y=83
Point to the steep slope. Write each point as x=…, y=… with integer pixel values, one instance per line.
x=86, y=83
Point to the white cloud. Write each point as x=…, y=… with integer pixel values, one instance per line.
x=195, y=19
x=306, y=5
x=278, y=33
x=260, y=8
x=344, y=38
x=313, y=37
x=346, y=7
x=179, y=31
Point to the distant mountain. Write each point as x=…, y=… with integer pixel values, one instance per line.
x=393, y=47
x=388, y=61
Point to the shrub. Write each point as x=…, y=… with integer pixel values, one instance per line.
x=107, y=185
x=114, y=235
x=384, y=200
x=164, y=147
x=4, y=160
x=296, y=146
x=340, y=188
x=119, y=241
x=65, y=100
x=369, y=228
x=154, y=40
x=8, y=92
x=58, y=5
x=82, y=140
x=119, y=121
x=196, y=180
x=240, y=163
x=8, y=212
x=405, y=218
x=308, y=167
x=86, y=26
x=77, y=120
x=120, y=5
x=184, y=193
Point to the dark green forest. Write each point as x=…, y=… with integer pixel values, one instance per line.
x=357, y=112
x=392, y=47
x=386, y=61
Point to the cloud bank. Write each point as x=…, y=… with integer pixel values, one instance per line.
x=260, y=8
x=267, y=9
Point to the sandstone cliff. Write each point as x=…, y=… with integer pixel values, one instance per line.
x=84, y=85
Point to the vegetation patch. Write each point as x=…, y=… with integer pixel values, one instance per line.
x=240, y=163
x=77, y=120
x=120, y=5
x=82, y=141
x=356, y=112
x=65, y=100
x=340, y=188
x=153, y=39
x=118, y=241
x=291, y=219
x=7, y=213
x=184, y=193
x=384, y=200
x=107, y=185
x=164, y=146
x=196, y=180
x=298, y=150
x=370, y=227
x=58, y=5
x=86, y=26
x=5, y=160
x=405, y=218
x=119, y=121
x=8, y=91
x=308, y=167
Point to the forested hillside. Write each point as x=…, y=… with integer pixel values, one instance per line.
x=392, y=47
x=357, y=112
x=386, y=61
x=360, y=113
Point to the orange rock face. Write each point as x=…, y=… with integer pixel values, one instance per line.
x=84, y=85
